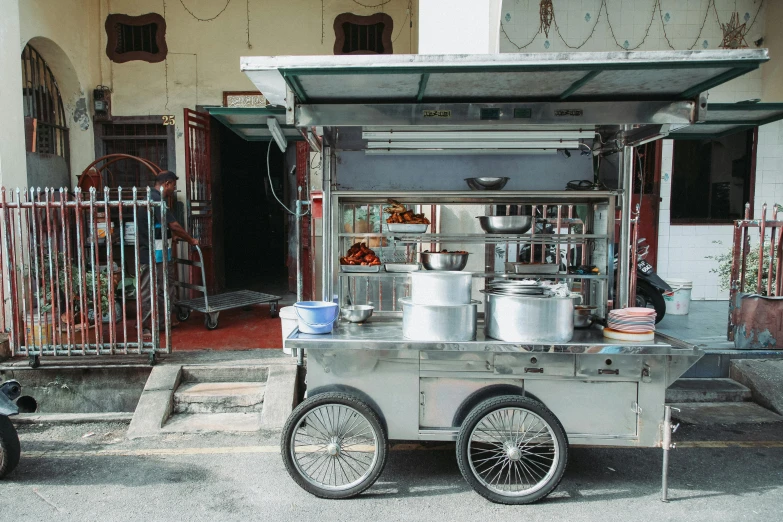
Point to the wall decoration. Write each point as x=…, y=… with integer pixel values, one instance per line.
x=244, y=99
x=733, y=33
x=547, y=13
x=131, y=38
x=204, y=19
x=355, y=34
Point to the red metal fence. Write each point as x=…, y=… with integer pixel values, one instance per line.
x=768, y=268
x=68, y=273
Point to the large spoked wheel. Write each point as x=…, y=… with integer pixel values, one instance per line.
x=334, y=446
x=10, y=450
x=512, y=450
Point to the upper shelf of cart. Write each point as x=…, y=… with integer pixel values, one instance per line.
x=533, y=77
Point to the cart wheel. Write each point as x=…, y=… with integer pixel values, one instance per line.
x=211, y=321
x=274, y=312
x=512, y=450
x=183, y=313
x=9, y=447
x=333, y=446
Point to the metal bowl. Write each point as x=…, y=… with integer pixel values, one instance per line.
x=486, y=183
x=444, y=260
x=505, y=224
x=357, y=313
x=583, y=316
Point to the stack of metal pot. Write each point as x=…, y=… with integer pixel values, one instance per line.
x=518, y=311
x=440, y=307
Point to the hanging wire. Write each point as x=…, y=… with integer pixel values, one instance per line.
x=272, y=187
x=407, y=17
x=247, y=6
x=597, y=19
x=383, y=3
x=646, y=33
x=204, y=19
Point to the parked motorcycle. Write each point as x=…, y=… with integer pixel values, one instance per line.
x=650, y=287
x=10, y=450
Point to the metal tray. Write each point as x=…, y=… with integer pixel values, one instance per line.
x=532, y=268
x=408, y=228
x=402, y=267
x=360, y=268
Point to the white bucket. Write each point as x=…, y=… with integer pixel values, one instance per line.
x=679, y=303
x=288, y=322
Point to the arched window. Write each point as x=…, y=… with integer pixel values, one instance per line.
x=45, y=121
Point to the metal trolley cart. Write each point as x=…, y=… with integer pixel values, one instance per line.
x=211, y=306
x=513, y=408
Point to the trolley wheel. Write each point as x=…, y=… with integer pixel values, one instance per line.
x=183, y=313
x=10, y=450
x=512, y=450
x=211, y=320
x=334, y=446
x=274, y=312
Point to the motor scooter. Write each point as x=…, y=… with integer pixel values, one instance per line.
x=10, y=450
x=650, y=287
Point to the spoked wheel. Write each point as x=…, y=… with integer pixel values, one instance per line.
x=512, y=450
x=334, y=446
x=10, y=450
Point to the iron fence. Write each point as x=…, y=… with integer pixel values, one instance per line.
x=69, y=273
x=768, y=267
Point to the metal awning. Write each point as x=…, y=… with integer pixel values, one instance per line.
x=727, y=118
x=533, y=77
x=249, y=123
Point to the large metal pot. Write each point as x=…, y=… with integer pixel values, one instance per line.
x=441, y=288
x=437, y=322
x=524, y=319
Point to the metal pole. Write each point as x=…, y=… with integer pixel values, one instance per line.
x=299, y=282
x=666, y=444
x=624, y=246
x=326, y=225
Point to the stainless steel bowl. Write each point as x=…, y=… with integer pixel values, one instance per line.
x=505, y=224
x=486, y=183
x=583, y=316
x=357, y=313
x=444, y=261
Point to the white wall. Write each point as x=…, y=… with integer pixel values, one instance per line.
x=13, y=162
x=459, y=27
x=683, y=251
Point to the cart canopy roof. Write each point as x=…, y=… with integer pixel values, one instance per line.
x=727, y=118
x=531, y=77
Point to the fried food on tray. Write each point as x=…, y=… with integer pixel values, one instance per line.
x=360, y=254
x=400, y=214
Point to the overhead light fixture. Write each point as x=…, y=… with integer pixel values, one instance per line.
x=485, y=145
x=453, y=152
x=277, y=133
x=477, y=135
x=312, y=139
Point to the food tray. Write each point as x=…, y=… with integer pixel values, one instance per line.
x=408, y=228
x=402, y=267
x=360, y=268
x=532, y=268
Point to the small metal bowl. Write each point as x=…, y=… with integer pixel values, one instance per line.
x=444, y=261
x=583, y=316
x=486, y=183
x=356, y=313
x=505, y=224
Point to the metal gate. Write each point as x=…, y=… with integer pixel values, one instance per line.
x=69, y=263
x=198, y=182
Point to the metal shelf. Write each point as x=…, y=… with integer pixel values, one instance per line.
x=391, y=275
x=477, y=238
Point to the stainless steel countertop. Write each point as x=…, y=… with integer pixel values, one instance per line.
x=386, y=334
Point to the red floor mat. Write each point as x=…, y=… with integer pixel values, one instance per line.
x=237, y=329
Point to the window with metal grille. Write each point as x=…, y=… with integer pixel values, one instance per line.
x=45, y=120
x=149, y=141
x=136, y=38
x=356, y=34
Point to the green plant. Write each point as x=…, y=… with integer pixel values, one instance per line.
x=751, y=271
x=69, y=273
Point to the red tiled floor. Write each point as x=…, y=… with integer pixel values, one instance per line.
x=237, y=329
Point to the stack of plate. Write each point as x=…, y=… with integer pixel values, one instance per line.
x=518, y=288
x=631, y=324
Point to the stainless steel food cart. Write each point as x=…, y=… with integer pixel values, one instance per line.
x=512, y=408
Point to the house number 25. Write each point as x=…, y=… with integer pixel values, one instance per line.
x=169, y=120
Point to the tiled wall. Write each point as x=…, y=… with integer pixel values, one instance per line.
x=683, y=251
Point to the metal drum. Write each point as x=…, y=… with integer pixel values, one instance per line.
x=441, y=288
x=438, y=322
x=533, y=319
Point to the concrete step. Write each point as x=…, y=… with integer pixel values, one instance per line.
x=212, y=422
x=219, y=397
x=707, y=390
x=705, y=413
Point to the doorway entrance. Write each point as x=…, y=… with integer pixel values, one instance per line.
x=252, y=224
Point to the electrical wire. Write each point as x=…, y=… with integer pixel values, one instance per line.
x=272, y=187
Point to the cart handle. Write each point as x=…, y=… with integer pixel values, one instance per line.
x=203, y=286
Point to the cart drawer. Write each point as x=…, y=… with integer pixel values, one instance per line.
x=453, y=361
x=535, y=365
x=609, y=366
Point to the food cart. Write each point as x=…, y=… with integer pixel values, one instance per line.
x=385, y=126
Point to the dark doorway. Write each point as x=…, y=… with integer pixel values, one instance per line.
x=252, y=222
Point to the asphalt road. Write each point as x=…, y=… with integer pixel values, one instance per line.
x=66, y=476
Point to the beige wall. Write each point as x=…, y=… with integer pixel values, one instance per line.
x=772, y=71
x=13, y=165
x=66, y=33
